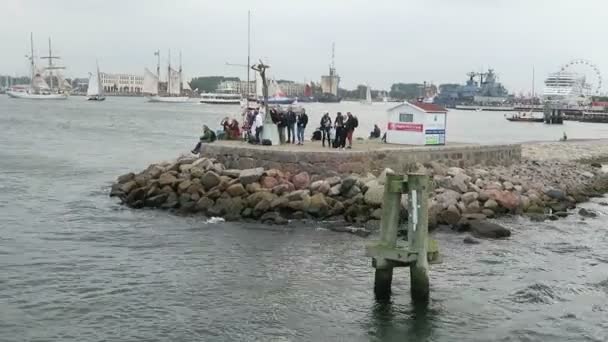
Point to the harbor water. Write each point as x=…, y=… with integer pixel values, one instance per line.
x=77, y=266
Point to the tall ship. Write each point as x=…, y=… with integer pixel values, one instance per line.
x=95, y=89
x=39, y=89
x=174, y=85
x=330, y=83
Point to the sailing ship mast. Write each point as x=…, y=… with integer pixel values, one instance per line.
x=180, y=72
x=157, y=54
x=31, y=57
x=169, y=73
x=51, y=67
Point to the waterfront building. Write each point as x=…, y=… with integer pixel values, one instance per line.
x=236, y=87
x=416, y=123
x=122, y=83
x=288, y=88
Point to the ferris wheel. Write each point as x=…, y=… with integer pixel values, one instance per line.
x=592, y=74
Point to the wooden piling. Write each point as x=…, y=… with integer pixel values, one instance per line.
x=418, y=187
x=389, y=225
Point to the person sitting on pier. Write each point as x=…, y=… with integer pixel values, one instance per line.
x=564, y=138
x=207, y=137
x=375, y=134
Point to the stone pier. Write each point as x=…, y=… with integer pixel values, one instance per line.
x=366, y=156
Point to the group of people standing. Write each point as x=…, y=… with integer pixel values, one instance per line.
x=292, y=122
x=337, y=133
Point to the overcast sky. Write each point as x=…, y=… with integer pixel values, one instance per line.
x=377, y=42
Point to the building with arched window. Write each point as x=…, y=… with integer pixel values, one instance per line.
x=122, y=83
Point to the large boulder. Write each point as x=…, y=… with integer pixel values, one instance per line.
x=274, y=173
x=232, y=173
x=556, y=194
x=253, y=199
x=453, y=171
x=135, y=195
x=335, y=190
x=203, y=163
x=333, y=180
x=268, y=182
x=197, y=172
x=374, y=195
x=167, y=179
x=298, y=195
x=236, y=190
x=320, y=186
x=125, y=178
x=485, y=229
x=451, y=215
x=204, y=204
x=128, y=186
x=473, y=207
x=508, y=200
x=274, y=218
x=253, y=187
x=185, y=167
x=280, y=189
x=348, y=183
x=318, y=205
x=156, y=201
x=261, y=207
x=459, y=182
x=249, y=176
x=301, y=180
x=155, y=171
x=210, y=179
x=183, y=186
x=491, y=204
x=447, y=198
x=171, y=202
x=352, y=192
x=469, y=197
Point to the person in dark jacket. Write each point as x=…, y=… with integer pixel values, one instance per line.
x=207, y=137
x=290, y=119
x=281, y=125
x=325, y=128
x=375, y=134
x=302, y=121
x=351, y=123
x=340, y=132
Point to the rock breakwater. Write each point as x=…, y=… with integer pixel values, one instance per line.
x=460, y=197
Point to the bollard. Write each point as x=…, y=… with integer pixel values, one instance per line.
x=389, y=225
x=417, y=233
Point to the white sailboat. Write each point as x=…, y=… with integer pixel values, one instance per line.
x=95, y=89
x=39, y=89
x=174, y=84
x=368, y=96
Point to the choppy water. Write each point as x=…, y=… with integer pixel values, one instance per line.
x=76, y=266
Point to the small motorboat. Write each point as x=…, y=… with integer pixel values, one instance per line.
x=524, y=119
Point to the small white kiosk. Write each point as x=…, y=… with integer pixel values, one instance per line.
x=416, y=123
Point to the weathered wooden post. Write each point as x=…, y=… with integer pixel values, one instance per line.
x=388, y=233
x=417, y=233
x=388, y=253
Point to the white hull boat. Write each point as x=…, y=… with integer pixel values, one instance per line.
x=29, y=96
x=168, y=99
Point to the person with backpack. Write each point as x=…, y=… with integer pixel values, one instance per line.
x=325, y=129
x=302, y=121
x=207, y=137
x=340, y=132
x=290, y=119
x=351, y=123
